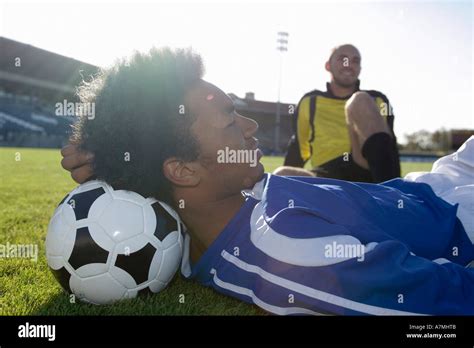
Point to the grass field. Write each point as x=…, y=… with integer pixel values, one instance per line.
x=31, y=185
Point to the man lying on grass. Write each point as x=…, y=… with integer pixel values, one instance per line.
x=291, y=245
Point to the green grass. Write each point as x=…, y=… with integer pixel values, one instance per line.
x=30, y=189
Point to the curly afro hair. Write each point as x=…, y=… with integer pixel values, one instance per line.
x=139, y=120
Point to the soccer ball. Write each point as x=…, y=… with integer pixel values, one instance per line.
x=105, y=245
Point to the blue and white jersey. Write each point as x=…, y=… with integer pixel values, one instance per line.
x=304, y=245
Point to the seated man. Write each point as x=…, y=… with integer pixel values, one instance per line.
x=291, y=245
x=346, y=133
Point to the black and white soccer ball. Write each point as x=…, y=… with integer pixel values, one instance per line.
x=105, y=245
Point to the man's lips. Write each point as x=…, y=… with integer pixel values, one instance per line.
x=347, y=73
x=254, y=147
x=253, y=144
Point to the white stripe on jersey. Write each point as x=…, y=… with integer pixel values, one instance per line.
x=310, y=292
x=308, y=252
x=441, y=261
x=186, y=259
x=262, y=304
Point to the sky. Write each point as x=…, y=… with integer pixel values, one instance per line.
x=418, y=53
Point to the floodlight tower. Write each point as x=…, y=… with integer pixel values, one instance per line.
x=282, y=46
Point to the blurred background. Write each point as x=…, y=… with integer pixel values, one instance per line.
x=418, y=53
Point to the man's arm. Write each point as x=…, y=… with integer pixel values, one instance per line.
x=391, y=280
x=378, y=278
x=77, y=162
x=303, y=128
x=299, y=149
x=293, y=155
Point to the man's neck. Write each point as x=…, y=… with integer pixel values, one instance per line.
x=341, y=91
x=208, y=219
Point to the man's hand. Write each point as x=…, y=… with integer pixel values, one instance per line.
x=77, y=162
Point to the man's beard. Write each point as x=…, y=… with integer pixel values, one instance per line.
x=345, y=84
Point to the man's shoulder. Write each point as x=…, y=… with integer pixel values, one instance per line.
x=376, y=94
x=313, y=93
x=319, y=93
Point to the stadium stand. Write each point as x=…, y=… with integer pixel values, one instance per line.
x=32, y=81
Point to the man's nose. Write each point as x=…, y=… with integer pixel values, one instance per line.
x=249, y=127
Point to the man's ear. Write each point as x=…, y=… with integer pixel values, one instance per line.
x=181, y=173
x=327, y=66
